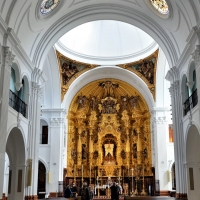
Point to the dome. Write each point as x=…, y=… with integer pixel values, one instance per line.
x=106, y=42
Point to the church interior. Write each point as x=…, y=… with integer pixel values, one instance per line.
x=99, y=92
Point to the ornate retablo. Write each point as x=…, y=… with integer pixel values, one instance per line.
x=108, y=129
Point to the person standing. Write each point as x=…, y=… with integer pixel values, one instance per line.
x=74, y=190
x=114, y=191
x=67, y=192
x=91, y=193
x=84, y=192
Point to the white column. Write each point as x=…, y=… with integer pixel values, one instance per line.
x=34, y=132
x=179, y=145
x=159, y=150
x=7, y=59
x=56, y=131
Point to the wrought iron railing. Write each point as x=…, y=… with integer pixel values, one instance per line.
x=16, y=103
x=190, y=103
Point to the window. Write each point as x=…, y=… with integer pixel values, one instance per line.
x=160, y=5
x=171, y=133
x=48, y=5
x=44, y=135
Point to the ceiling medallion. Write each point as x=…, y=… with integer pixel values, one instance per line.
x=48, y=5
x=160, y=5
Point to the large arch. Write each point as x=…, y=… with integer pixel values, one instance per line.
x=104, y=12
x=108, y=72
x=15, y=148
x=193, y=160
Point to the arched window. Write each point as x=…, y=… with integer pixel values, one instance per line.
x=185, y=95
x=44, y=132
x=16, y=98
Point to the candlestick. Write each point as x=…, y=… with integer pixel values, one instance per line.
x=143, y=190
x=82, y=174
x=74, y=173
x=132, y=183
x=90, y=173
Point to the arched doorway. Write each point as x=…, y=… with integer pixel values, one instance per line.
x=193, y=159
x=15, y=150
x=41, y=180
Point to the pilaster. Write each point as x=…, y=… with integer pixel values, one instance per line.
x=5, y=70
x=34, y=130
x=159, y=146
x=179, y=146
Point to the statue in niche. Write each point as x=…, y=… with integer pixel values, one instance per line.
x=135, y=150
x=82, y=101
x=124, y=100
x=73, y=154
x=108, y=106
x=108, y=88
x=109, y=157
x=145, y=153
x=93, y=103
x=133, y=100
x=84, y=151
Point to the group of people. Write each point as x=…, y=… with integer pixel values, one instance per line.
x=87, y=193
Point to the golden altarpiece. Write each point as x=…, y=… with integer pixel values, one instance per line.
x=109, y=136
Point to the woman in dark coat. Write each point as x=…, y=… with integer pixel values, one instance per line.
x=67, y=192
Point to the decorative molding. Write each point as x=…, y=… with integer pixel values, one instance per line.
x=8, y=57
x=190, y=84
x=172, y=74
x=196, y=56
x=18, y=86
x=56, y=121
x=160, y=120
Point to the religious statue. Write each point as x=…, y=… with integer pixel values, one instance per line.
x=93, y=102
x=108, y=88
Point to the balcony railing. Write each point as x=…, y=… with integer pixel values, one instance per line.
x=190, y=103
x=16, y=103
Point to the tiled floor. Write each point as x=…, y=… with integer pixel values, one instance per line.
x=132, y=198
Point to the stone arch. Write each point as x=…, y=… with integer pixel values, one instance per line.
x=15, y=148
x=104, y=12
x=108, y=72
x=192, y=160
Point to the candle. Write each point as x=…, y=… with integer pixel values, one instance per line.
x=128, y=170
x=90, y=173
x=82, y=173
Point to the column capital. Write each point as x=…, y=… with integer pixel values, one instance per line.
x=196, y=56
x=172, y=74
x=7, y=56
x=172, y=91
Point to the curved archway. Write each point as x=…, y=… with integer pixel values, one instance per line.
x=193, y=159
x=108, y=72
x=15, y=148
x=104, y=12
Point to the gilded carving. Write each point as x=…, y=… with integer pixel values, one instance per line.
x=109, y=128
x=71, y=69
